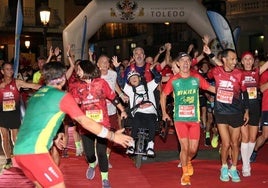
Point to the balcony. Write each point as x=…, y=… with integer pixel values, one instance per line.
x=244, y=8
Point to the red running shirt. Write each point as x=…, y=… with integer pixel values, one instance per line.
x=92, y=97
x=228, y=90
x=251, y=81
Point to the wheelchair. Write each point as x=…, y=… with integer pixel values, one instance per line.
x=141, y=144
x=142, y=138
x=140, y=141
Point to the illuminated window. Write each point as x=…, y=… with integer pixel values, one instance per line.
x=133, y=45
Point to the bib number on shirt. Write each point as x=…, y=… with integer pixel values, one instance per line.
x=252, y=92
x=225, y=96
x=186, y=111
x=9, y=105
x=96, y=115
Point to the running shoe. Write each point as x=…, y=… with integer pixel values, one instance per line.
x=215, y=141
x=150, y=149
x=224, y=174
x=7, y=166
x=234, y=175
x=150, y=152
x=106, y=184
x=185, y=179
x=90, y=174
x=190, y=169
x=253, y=157
x=246, y=170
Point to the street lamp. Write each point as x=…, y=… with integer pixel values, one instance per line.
x=44, y=16
x=27, y=44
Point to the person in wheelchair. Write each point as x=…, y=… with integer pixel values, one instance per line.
x=142, y=107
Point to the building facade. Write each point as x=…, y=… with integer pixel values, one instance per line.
x=118, y=38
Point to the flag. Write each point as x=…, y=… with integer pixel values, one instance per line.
x=236, y=33
x=19, y=20
x=84, y=37
x=222, y=30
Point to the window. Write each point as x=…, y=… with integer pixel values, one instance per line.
x=131, y=47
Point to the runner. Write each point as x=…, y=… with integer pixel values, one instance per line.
x=10, y=114
x=44, y=114
x=185, y=86
x=231, y=110
x=249, y=132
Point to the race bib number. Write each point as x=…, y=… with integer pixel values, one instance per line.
x=96, y=115
x=9, y=105
x=252, y=92
x=186, y=111
x=225, y=96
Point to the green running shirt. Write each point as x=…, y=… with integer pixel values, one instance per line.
x=41, y=122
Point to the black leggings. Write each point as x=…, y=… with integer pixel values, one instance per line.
x=142, y=120
x=89, y=148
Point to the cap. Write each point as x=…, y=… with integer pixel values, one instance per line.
x=247, y=53
x=183, y=54
x=132, y=73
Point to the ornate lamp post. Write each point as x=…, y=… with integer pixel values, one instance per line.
x=45, y=16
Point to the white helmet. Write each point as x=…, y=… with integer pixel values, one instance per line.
x=132, y=73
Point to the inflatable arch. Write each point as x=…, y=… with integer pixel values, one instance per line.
x=99, y=12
